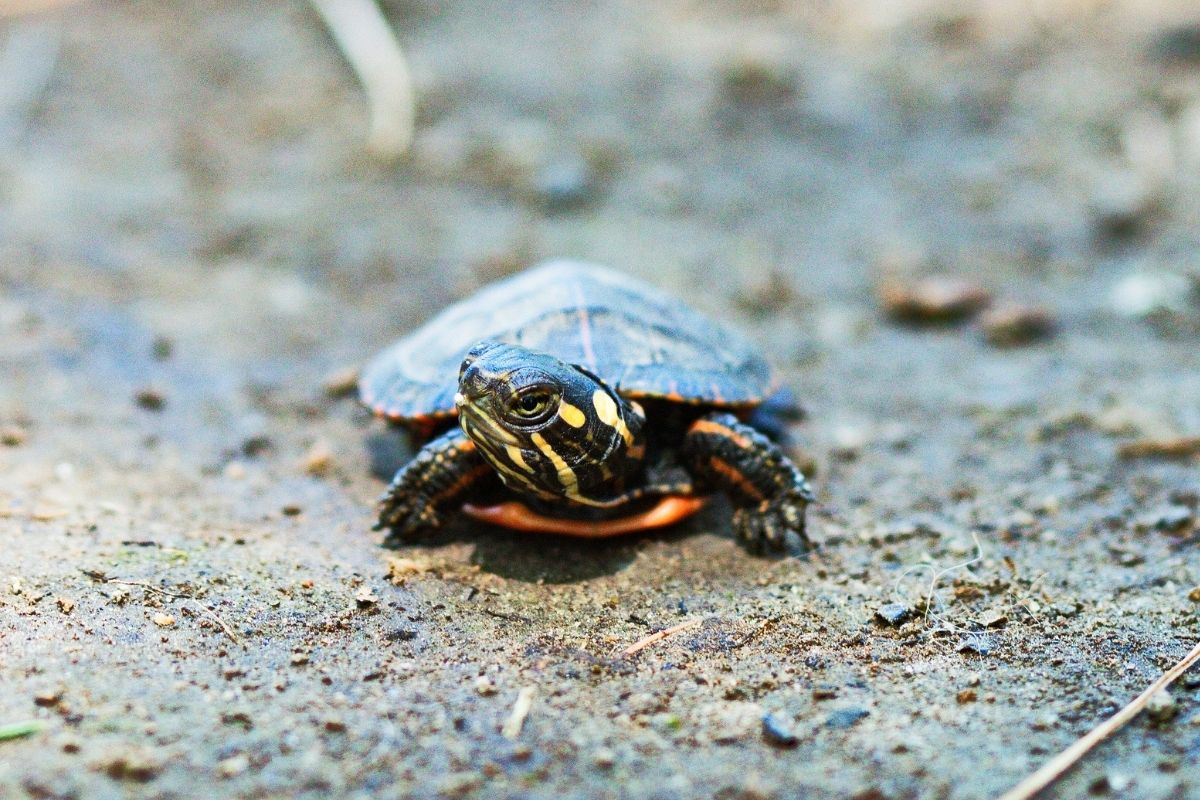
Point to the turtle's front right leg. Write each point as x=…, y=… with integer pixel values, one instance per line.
x=441, y=475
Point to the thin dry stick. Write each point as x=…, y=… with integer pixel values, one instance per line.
x=512, y=728
x=369, y=45
x=660, y=635
x=767, y=623
x=210, y=613
x=1062, y=762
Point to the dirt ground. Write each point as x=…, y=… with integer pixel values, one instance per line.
x=194, y=248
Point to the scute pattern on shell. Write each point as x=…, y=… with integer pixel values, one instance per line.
x=640, y=340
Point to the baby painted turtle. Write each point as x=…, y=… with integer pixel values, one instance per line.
x=577, y=400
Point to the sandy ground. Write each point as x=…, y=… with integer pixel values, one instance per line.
x=192, y=242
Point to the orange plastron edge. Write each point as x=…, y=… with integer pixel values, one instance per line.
x=518, y=516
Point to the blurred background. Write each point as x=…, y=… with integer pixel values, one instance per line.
x=966, y=232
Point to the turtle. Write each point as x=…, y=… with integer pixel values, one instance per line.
x=575, y=399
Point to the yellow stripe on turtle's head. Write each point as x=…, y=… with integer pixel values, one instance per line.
x=548, y=428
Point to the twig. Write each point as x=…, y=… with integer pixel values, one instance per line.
x=1178, y=447
x=143, y=584
x=215, y=617
x=509, y=617
x=660, y=635
x=16, y=730
x=205, y=610
x=749, y=637
x=1062, y=762
x=369, y=45
x=512, y=728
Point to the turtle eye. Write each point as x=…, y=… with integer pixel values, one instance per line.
x=531, y=406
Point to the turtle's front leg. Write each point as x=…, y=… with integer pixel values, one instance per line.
x=443, y=473
x=769, y=493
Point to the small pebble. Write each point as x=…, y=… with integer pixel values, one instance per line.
x=1162, y=707
x=1177, y=46
x=966, y=696
x=565, y=185
x=1194, y=595
x=162, y=348
x=777, y=733
x=233, y=766
x=365, y=597
x=1169, y=519
x=1121, y=204
x=824, y=691
x=978, y=644
x=402, y=635
x=484, y=687
x=1016, y=325
x=318, y=461
x=253, y=446
x=335, y=726
x=132, y=765
x=1044, y=721
x=48, y=698
x=892, y=614
x=758, y=79
x=994, y=619
x=768, y=294
x=163, y=620
x=937, y=300
x=150, y=399
x=12, y=436
x=292, y=510
x=299, y=659
x=604, y=758
x=846, y=717
x=341, y=383
x=1146, y=292
x=1126, y=557
x=65, y=604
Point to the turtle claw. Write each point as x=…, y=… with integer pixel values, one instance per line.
x=405, y=516
x=763, y=528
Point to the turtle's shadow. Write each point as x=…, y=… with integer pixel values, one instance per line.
x=546, y=558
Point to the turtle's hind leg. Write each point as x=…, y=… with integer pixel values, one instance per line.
x=443, y=474
x=768, y=491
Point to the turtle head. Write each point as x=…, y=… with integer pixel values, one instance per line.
x=550, y=429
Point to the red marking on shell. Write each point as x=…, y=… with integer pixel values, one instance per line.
x=519, y=516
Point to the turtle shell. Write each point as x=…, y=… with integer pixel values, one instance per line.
x=638, y=339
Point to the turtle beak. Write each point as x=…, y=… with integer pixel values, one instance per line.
x=459, y=399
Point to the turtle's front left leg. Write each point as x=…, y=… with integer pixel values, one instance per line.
x=443, y=473
x=769, y=493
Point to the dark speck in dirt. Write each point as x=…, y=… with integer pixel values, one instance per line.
x=402, y=635
x=150, y=399
x=255, y=446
